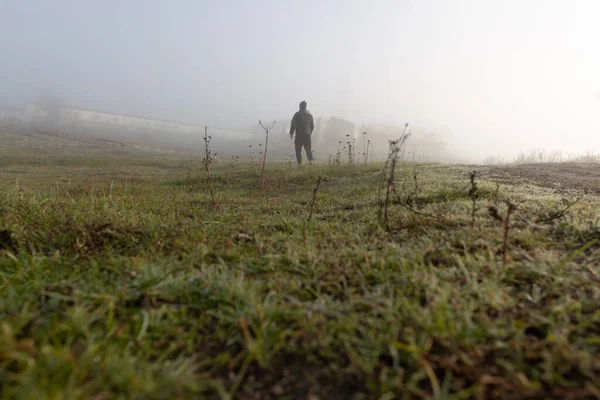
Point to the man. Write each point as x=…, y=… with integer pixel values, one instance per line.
x=303, y=125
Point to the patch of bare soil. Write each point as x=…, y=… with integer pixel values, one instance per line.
x=563, y=176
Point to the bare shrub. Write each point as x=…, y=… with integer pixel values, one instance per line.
x=493, y=160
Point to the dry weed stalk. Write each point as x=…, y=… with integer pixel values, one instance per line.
x=388, y=174
x=314, y=198
x=264, y=161
x=365, y=147
x=474, y=195
x=415, y=178
x=349, y=145
x=207, y=161
x=511, y=208
x=505, y=221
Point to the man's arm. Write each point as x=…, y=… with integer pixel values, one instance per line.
x=293, y=126
x=312, y=124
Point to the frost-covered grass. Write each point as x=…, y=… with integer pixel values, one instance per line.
x=119, y=279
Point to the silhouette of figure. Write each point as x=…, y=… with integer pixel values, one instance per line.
x=303, y=125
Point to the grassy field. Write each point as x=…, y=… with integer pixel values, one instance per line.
x=120, y=279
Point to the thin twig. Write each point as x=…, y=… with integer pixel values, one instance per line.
x=314, y=198
x=511, y=208
x=438, y=217
x=558, y=214
x=415, y=177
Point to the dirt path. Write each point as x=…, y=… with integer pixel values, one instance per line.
x=559, y=175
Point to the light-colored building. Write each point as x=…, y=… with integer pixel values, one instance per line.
x=81, y=120
x=68, y=117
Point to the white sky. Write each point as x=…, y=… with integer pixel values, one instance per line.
x=496, y=77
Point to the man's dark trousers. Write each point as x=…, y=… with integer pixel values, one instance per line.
x=303, y=141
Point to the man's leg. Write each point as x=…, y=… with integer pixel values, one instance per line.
x=298, y=145
x=307, y=147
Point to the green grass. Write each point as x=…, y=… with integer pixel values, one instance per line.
x=119, y=280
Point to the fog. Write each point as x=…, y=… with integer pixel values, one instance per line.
x=493, y=78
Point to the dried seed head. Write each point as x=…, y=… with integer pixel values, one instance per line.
x=494, y=213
